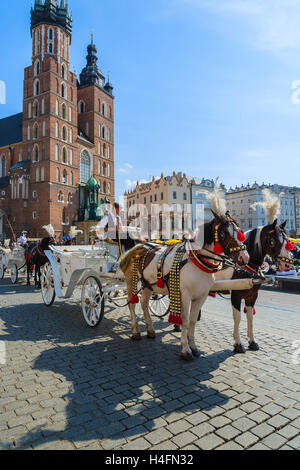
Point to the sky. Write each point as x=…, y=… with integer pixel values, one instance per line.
x=201, y=86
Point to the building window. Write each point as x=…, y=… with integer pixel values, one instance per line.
x=64, y=134
x=56, y=152
x=37, y=67
x=36, y=153
x=63, y=90
x=36, y=87
x=64, y=48
x=60, y=197
x=57, y=130
x=43, y=152
x=71, y=178
x=70, y=114
x=34, y=215
x=35, y=109
x=63, y=71
x=64, y=111
x=29, y=110
x=71, y=157
x=70, y=198
x=81, y=107
x=174, y=195
x=43, y=106
x=3, y=167
x=104, y=150
x=44, y=128
x=37, y=42
x=104, y=169
x=65, y=177
x=71, y=136
x=104, y=109
x=37, y=175
x=103, y=133
x=50, y=41
x=43, y=174
x=184, y=196
x=64, y=155
x=57, y=175
x=85, y=166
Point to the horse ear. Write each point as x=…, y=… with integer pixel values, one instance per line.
x=274, y=223
x=282, y=226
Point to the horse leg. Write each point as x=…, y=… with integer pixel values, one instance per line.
x=146, y=295
x=136, y=335
x=28, y=275
x=194, y=315
x=253, y=346
x=186, y=352
x=236, y=310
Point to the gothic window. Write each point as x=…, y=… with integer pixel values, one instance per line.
x=36, y=153
x=65, y=177
x=50, y=41
x=36, y=87
x=110, y=112
x=57, y=175
x=64, y=216
x=64, y=111
x=37, y=173
x=37, y=67
x=108, y=151
x=103, y=133
x=60, y=197
x=85, y=166
x=35, y=109
x=43, y=152
x=43, y=106
x=44, y=128
x=57, y=130
x=37, y=42
x=56, y=152
x=28, y=154
x=70, y=114
x=71, y=136
x=63, y=71
x=104, y=109
x=64, y=155
x=63, y=90
x=2, y=167
x=64, y=134
x=71, y=157
x=28, y=132
x=43, y=174
x=104, y=169
x=104, y=150
x=71, y=178
x=29, y=110
x=99, y=106
x=108, y=171
x=81, y=107
x=99, y=167
x=109, y=135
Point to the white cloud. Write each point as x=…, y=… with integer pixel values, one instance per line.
x=275, y=22
x=127, y=168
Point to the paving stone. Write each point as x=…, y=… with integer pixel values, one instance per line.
x=184, y=439
x=262, y=430
x=209, y=442
x=228, y=432
x=274, y=441
x=138, y=444
x=158, y=436
x=289, y=431
x=246, y=439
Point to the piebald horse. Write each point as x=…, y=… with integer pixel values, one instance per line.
x=269, y=240
x=195, y=283
x=35, y=255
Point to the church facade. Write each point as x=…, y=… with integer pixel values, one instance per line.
x=57, y=156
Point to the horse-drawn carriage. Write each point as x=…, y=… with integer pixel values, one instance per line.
x=87, y=267
x=13, y=260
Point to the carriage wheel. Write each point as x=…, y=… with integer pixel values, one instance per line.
x=47, y=285
x=159, y=305
x=92, y=301
x=14, y=274
x=2, y=271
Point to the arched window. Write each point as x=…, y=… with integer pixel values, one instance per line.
x=64, y=216
x=108, y=151
x=104, y=109
x=65, y=177
x=71, y=178
x=63, y=71
x=36, y=153
x=35, y=131
x=2, y=167
x=85, y=166
x=29, y=110
x=42, y=174
x=57, y=130
x=81, y=107
x=44, y=128
x=104, y=169
x=64, y=155
x=70, y=198
x=57, y=86
x=43, y=106
x=104, y=187
x=36, y=87
x=108, y=188
x=37, y=67
x=108, y=171
x=104, y=150
x=37, y=41
x=64, y=134
x=57, y=175
x=63, y=90
x=64, y=111
x=35, y=108
x=104, y=133
x=71, y=135
x=60, y=197
x=37, y=175
x=50, y=41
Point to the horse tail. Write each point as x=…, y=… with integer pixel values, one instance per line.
x=138, y=250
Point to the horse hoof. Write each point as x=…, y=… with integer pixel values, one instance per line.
x=188, y=357
x=253, y=346
x=196, y=352
x=239, y=349
x=136, y=337
x=151, y=335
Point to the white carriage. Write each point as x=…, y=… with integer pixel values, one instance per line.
x=13, y=260
x=87, y=267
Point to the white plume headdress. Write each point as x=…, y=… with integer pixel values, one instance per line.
x=218, y=202
x=74, y=232
x=6, y=243
x=270, y=204
x=50, y=230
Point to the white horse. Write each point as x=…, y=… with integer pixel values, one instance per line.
x=200, y=262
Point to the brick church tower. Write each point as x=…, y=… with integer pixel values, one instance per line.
x=60, y=160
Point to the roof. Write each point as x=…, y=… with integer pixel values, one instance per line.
x=20, y=165
x=84, y=137
x=4, y=182
x=11, y=130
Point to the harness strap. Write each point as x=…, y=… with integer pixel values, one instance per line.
x=201, y=263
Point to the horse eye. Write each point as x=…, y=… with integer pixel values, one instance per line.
x=222, y=235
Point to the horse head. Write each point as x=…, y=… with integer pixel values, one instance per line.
x=275, y=243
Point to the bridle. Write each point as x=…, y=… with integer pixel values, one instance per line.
x=275, y=246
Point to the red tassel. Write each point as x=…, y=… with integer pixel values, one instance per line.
x=213, y=295
x=171, y=318
x=134, y=299
x=218, y=249
x=241, y=237
x=175, y=319
x=31, y=268
x=254, y=311
x=160, y=283
x=289, y=246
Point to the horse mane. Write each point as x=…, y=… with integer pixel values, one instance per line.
x=50, y=230
x=270, y=204
x=251, y=240
x=218, y=203
x=208, y=233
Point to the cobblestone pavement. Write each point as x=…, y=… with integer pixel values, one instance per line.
x=65, y=386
